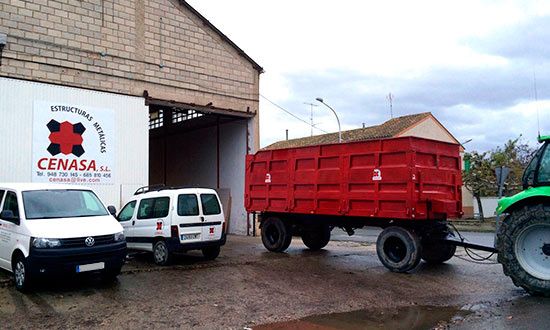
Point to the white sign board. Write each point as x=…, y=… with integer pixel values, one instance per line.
x=73, y=144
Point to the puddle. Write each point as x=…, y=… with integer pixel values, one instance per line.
x=410, y=317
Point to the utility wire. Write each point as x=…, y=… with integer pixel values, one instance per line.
x=293, y=115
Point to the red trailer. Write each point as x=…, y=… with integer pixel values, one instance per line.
x=409, y=186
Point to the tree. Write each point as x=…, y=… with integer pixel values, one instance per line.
x=515, y=155
x=479, y=176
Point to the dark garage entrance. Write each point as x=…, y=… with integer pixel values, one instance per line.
x=197, y=146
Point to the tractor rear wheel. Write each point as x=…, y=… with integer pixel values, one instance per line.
x=523, y=242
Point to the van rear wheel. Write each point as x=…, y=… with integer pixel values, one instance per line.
x=211, y=253
x=161, y=253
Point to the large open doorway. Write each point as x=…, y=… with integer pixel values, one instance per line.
x=192, y=146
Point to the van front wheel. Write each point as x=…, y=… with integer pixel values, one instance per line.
x=21, y=273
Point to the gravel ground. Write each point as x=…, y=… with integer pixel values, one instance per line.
x=248, y=286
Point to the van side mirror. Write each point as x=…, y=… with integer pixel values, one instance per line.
x=112, y=210
x=9, y=216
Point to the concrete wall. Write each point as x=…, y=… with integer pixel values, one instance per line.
x=489, y=205
x=16, y=129
x=126, y=46
x=232, y=169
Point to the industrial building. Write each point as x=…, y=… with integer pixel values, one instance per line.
x=122, y=94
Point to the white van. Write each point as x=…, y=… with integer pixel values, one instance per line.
x=48, y=229
x=166, y=220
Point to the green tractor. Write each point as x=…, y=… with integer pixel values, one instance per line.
x=523, y=237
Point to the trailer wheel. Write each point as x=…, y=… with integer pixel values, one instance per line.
x=437, y=252
x=316, y=238
x=276, y=235
x=523, y=242
x=399, y=249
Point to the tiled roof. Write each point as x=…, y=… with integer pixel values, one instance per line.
x=391, y=128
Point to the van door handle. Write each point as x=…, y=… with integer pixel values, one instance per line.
x=133, y=222
x=202, y=219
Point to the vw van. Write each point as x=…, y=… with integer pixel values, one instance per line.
x=49, y=229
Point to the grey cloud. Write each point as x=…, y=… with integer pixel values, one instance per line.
x=471, y=102
x=525, y=41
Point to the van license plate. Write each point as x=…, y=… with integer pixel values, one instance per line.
x=186, y=237
x=90, y=267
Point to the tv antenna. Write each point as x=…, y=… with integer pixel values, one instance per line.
x=536, y=101
x=390, y=99
x=311, y=115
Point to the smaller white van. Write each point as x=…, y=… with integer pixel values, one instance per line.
x=164, y=220
x=48, y=229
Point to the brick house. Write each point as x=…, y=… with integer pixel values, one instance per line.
x=178, y=99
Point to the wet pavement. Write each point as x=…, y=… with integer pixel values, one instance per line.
x=341, y=287
x=401, y=318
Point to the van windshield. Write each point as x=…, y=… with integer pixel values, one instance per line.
x=50, y=204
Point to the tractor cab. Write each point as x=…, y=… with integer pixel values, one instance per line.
x=537, y=172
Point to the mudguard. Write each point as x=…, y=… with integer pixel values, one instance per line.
x=535, y=192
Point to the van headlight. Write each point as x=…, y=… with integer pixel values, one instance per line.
x=119, y=237
x=43, y=243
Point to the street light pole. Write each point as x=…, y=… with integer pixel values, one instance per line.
x=337, y=119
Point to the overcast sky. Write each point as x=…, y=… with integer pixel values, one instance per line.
x=471, y=63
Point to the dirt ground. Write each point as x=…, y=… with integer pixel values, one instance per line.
x=248, y=286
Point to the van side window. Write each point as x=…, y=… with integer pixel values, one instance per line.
x=188, y=205
x=127, y=212
x=210, y=205
x=10, y=204
x=162, y=207
x=153, y=208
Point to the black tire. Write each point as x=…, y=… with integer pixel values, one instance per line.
x=161, y=253
x=211, y=253
x=435, y=253
x=21, y=273
x=276, y=235
x=110, y=275
x=316, y=238
x=512, y=249
x=399, y=249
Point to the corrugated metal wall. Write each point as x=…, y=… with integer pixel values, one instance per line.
x=132, y=133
